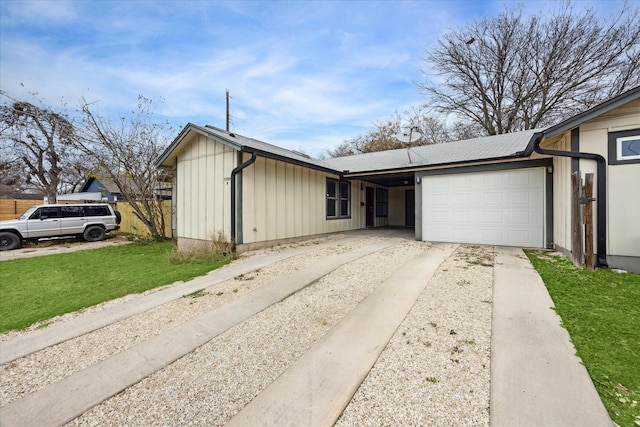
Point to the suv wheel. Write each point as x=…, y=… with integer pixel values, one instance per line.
x=9, y=241
x=94, y=233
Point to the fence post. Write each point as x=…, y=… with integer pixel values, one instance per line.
x=587, y=213
x=576, y=220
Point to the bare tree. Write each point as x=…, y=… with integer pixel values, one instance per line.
x=383, y=134
x=12, y=178
x=513, y=72
x=124, y=152
x=41, y=140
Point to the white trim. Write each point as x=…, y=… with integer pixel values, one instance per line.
x=619, y=142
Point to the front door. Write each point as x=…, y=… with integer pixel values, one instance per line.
x=369, y=206
x=410, y=208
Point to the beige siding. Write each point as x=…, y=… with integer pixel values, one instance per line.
x=397, y=205
x=623, y=191
x=284, y=201
x=202, y=189
x=623, y=195
x=561, y=192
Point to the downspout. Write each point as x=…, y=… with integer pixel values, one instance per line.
x=601, y=195
x=234, y=172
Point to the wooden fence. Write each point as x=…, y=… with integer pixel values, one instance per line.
x=13, y=208
x=133, y=225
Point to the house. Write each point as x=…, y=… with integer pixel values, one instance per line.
x=110, y=191
x=511, y=189
x=107, y=188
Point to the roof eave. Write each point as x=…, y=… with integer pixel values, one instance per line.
x=593, y=112
x=519, y=155
x=183, y=133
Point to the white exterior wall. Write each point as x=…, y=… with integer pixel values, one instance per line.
x=202, y=189
x=283, y=201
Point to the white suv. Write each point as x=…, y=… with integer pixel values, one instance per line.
x=90, y=221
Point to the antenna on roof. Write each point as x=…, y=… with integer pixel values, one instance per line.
x=227, y=128
x=407, y=135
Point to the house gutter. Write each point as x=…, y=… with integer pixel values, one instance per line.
x=601, y=195
x=234, y=172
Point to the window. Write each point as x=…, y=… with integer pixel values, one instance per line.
x=44, y=213
x=624, y=147
x=338, y=199
x=382, y=202
x=72, y=211
x=98, y=210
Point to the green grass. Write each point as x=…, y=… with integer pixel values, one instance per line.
x=39, y=288
x=601, y=311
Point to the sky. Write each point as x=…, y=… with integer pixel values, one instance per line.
x=303, y=75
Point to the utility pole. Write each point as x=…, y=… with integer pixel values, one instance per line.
x=227, y=110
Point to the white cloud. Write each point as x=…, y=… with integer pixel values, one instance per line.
x=304, y=75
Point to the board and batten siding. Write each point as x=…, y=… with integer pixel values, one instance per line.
x=203, y=190
x=283, y=201
x=623, y=193
x=623, y=196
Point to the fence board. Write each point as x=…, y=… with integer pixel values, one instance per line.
x=133, y=225
x=13, y=208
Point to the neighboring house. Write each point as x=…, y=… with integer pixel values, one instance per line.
x=494, y=190
x=112, y=193
x=106, y=187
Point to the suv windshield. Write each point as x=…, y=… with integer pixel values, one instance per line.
x=28, y=213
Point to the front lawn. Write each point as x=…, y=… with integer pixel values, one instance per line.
x=601, y=311
x=39, y=288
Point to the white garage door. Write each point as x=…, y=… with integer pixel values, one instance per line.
x=497, y=208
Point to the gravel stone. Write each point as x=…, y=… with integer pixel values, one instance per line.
x=434, y=371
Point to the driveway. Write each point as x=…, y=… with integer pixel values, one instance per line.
x=351, y=329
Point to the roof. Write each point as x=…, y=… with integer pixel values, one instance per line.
x=592, y=113
x=495, y=147
x=245, y=144
x=107, y=183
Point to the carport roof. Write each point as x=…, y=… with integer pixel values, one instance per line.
x=510, y=145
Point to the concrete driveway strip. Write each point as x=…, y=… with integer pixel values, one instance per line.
x=317, y=388
x=60, y=332
x=65, y=400
x=536, y=378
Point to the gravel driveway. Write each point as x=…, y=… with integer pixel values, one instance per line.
x=434, y=371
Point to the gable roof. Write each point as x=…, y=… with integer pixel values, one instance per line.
x=244, y=144
x=592, y=113
x=107, y=184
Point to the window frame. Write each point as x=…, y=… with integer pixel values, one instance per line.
x=382, y=202
x=616, y=139
x=340, y=186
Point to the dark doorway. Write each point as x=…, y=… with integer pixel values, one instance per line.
x=369, y=206
x=410, y=208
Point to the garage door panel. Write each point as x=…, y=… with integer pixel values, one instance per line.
x=493, y=198
x=500, y=208
x=493, y=217
x=519, y=217
x=519, y=178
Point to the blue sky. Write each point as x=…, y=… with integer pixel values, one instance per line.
x=302, y=75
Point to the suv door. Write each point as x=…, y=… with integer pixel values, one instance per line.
x=44, y=222
x=72, y=220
